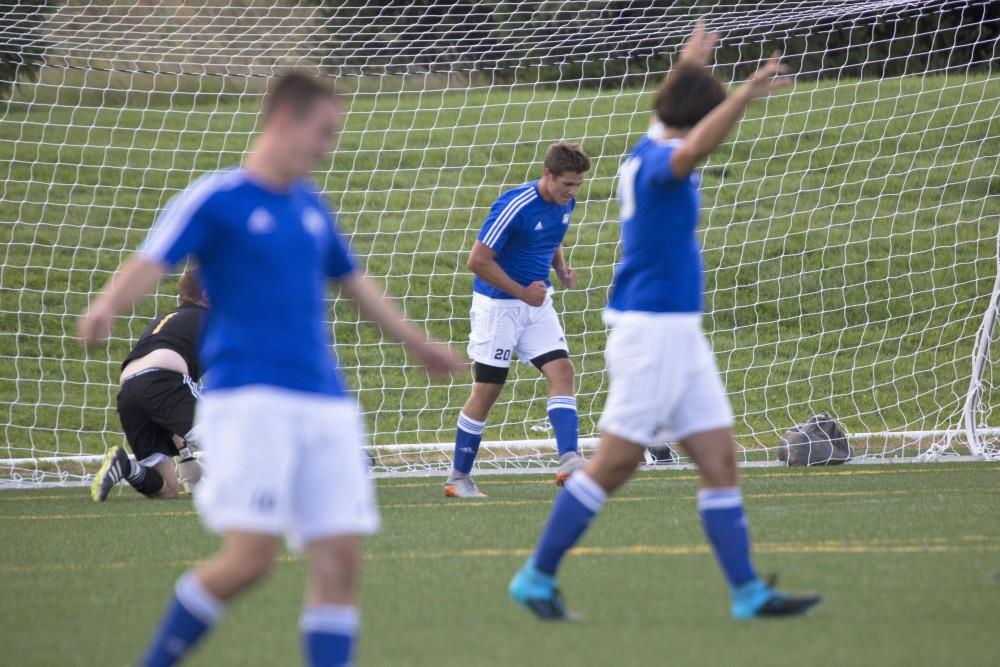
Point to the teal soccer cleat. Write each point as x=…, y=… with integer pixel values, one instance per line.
x=537, y=592
x=755, y=599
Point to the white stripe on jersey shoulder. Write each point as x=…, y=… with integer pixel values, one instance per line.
x=656, y=131
x=178, y=212
x=512, y=208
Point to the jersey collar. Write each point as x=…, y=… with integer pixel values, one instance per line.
x=656, y=131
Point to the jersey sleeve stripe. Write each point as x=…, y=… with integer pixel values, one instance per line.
x=176, y=216
x=503, y=220
x=513, y=208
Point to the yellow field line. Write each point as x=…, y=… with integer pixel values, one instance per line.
x=850, y=471
x=107, y=516
x=83, y=493
x=536, y=480
x=491, y=503
x=967, y=543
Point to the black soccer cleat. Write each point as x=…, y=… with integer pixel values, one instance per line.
x=758, y=599
x=550, y=608
x=115, y=467
x=780, y=604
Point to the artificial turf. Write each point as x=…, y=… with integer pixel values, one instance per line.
x=905, y=557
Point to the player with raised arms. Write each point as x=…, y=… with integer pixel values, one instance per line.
x=663, y=378
x=283, y=439
x=157, y=401
x=512, y=312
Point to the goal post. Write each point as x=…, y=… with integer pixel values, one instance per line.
x=849, y=225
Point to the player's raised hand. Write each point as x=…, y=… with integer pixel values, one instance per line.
x=535, y=293
x=437, y=358
x=699, y=46
x=769, y=78
x=567, y=276
x=94, y=325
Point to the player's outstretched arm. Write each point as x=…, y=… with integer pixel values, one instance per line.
x=699, y=46
x=136, y=278
x=436, y=357
x=713, y=129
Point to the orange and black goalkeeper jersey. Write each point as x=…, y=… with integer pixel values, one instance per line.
x=177, y=330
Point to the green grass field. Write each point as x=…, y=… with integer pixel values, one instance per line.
x=904, y=555
x=849, y=233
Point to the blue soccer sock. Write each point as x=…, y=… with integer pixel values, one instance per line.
x=575, y=506
x=562, y=416
x=328, y=635
x=726, y=527
x=191, y=612
x=467, y=438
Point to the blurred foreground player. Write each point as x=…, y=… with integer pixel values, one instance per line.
x=664, y=382
x=156, y=403
x=283, y=439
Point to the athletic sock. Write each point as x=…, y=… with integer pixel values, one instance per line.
x=726, y=528
x=147, y=481
x=328, y=634
x=191, y=612
x=468, y=435
x=562, y=416
x=575, y=506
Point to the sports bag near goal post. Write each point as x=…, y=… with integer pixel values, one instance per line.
x=820, y=441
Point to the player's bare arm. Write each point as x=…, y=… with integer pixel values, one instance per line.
x=482, y=262
x=436, y=357
x=709, y=134
x=699, y=46
x=135, y=279
x=565, y=273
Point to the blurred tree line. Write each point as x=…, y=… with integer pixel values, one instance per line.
x=612, y=43
x=606, y=42
x=22, y=46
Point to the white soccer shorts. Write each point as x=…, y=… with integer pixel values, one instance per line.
x=282, y=462
x=664, y=382
x=504, y=328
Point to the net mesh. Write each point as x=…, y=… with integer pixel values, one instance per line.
x=849, y=226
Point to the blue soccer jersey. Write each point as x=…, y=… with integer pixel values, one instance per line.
x=525, y=231
x=264, y=258
x=660, y=269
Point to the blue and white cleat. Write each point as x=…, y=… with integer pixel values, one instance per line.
x=536, y=591
x=569, y=463
x=462, y=487
x=755, y=599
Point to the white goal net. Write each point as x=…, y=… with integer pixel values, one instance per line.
x=849, y=226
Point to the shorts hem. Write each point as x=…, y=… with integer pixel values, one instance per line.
x=223, y=526
x=358, y=528
x=701, y=428
x=624, y=434
x=488, y=361
x=153, y=460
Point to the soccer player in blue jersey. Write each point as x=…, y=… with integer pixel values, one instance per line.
x=512, y=312
x=282, y=437
x=664, y=380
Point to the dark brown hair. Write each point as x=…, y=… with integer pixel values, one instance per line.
x=296, y=90
x=563, y=156
x=687, y=95
x=189, y=288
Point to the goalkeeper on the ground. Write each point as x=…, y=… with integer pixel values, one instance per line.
x=157, y=401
